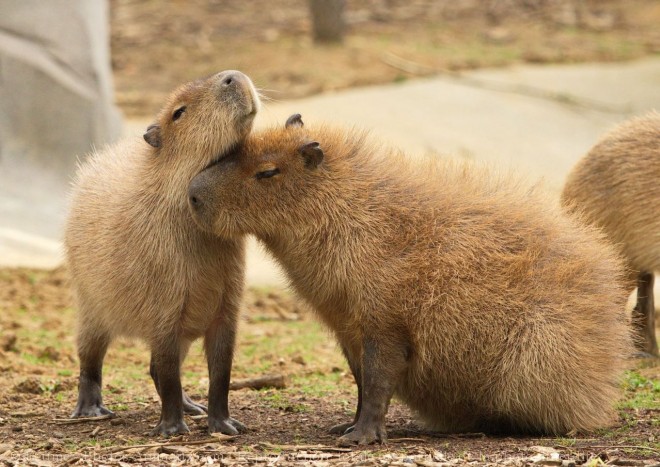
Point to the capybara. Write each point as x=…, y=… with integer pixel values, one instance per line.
x=141, y=268
x=617, y=187
x=461, y=291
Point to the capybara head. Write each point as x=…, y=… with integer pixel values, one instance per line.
x=206, y=117
x=267, y=183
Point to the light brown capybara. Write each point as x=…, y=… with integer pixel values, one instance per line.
x=463, y=292
x=617, y=188
x=139, y=265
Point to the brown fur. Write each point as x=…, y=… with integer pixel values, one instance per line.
x=472, y=297
x=617, y=187
x=139, y=265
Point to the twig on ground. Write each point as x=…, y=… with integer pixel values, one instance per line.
x=262, y=382
x=73, y=421
x=25, y=414
x=406, y=440
x=641, y=448
x=213, y=440
x=302, y=447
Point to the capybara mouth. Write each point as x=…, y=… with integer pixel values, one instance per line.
x=231, y=151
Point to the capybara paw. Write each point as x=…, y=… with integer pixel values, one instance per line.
x=170, y=429
x=363, y=436
x=342, y=428
x=226, y=426
x=193, y=408
x=89, y=411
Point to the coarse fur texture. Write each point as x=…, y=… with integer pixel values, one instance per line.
x=139, y=265
x=471, y=296
x=616, y=188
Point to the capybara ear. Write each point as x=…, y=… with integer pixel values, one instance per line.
x=152, y=135
x=312, y=153
x=294, y=121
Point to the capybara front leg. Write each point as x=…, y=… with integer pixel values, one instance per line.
x=92, y=346
x=166, y=363
x=219, y=343
x=383, y=364
x=643, y=316
x=354, y=365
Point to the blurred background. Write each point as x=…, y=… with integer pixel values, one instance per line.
x=528, y=85
x=158, y=44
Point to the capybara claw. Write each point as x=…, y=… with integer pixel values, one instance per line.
x=92, y=411
x=342, y=428
x=363, y=437
x=226, y=426
x=170, y=429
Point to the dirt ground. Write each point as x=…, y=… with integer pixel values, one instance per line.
x=289, y=425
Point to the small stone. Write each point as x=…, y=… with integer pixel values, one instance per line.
x=299, y=359
x=8, y=342
x=50, y=353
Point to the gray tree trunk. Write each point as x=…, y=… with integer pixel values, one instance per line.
x=328, y=20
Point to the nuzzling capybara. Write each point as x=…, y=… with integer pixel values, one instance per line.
x=617, y=187
x=462, y=291
x=139, y=265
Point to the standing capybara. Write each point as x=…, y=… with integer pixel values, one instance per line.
x=139, y=265
x=617, y=188
x=462, y=292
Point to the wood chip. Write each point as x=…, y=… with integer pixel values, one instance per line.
x=74, y=421
x=262, y=382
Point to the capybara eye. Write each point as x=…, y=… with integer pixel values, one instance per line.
x=267, y=173
x=177, y=113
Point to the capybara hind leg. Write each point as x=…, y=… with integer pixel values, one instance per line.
x=92, y=345
x=166, y=362
x=354, y=365
x=383, y=364
x=643, y=317
x=219, y=343
x=189, y=406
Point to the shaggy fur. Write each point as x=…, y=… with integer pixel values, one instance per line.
x=470, y=296
x=616, y=186
x=139, y=265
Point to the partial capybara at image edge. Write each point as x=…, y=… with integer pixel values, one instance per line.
x=462, y=291
x=616, y=187
x=139, y=265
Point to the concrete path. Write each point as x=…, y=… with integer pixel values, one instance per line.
x=537, y=120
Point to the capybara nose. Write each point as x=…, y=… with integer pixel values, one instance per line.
x=195, y=196
x=232, y=77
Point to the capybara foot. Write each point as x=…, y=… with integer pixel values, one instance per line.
x=191, y=407
x=342, y=428
x=226, y=426
x=91, y=410
x=366, y=435
x=169, y=429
